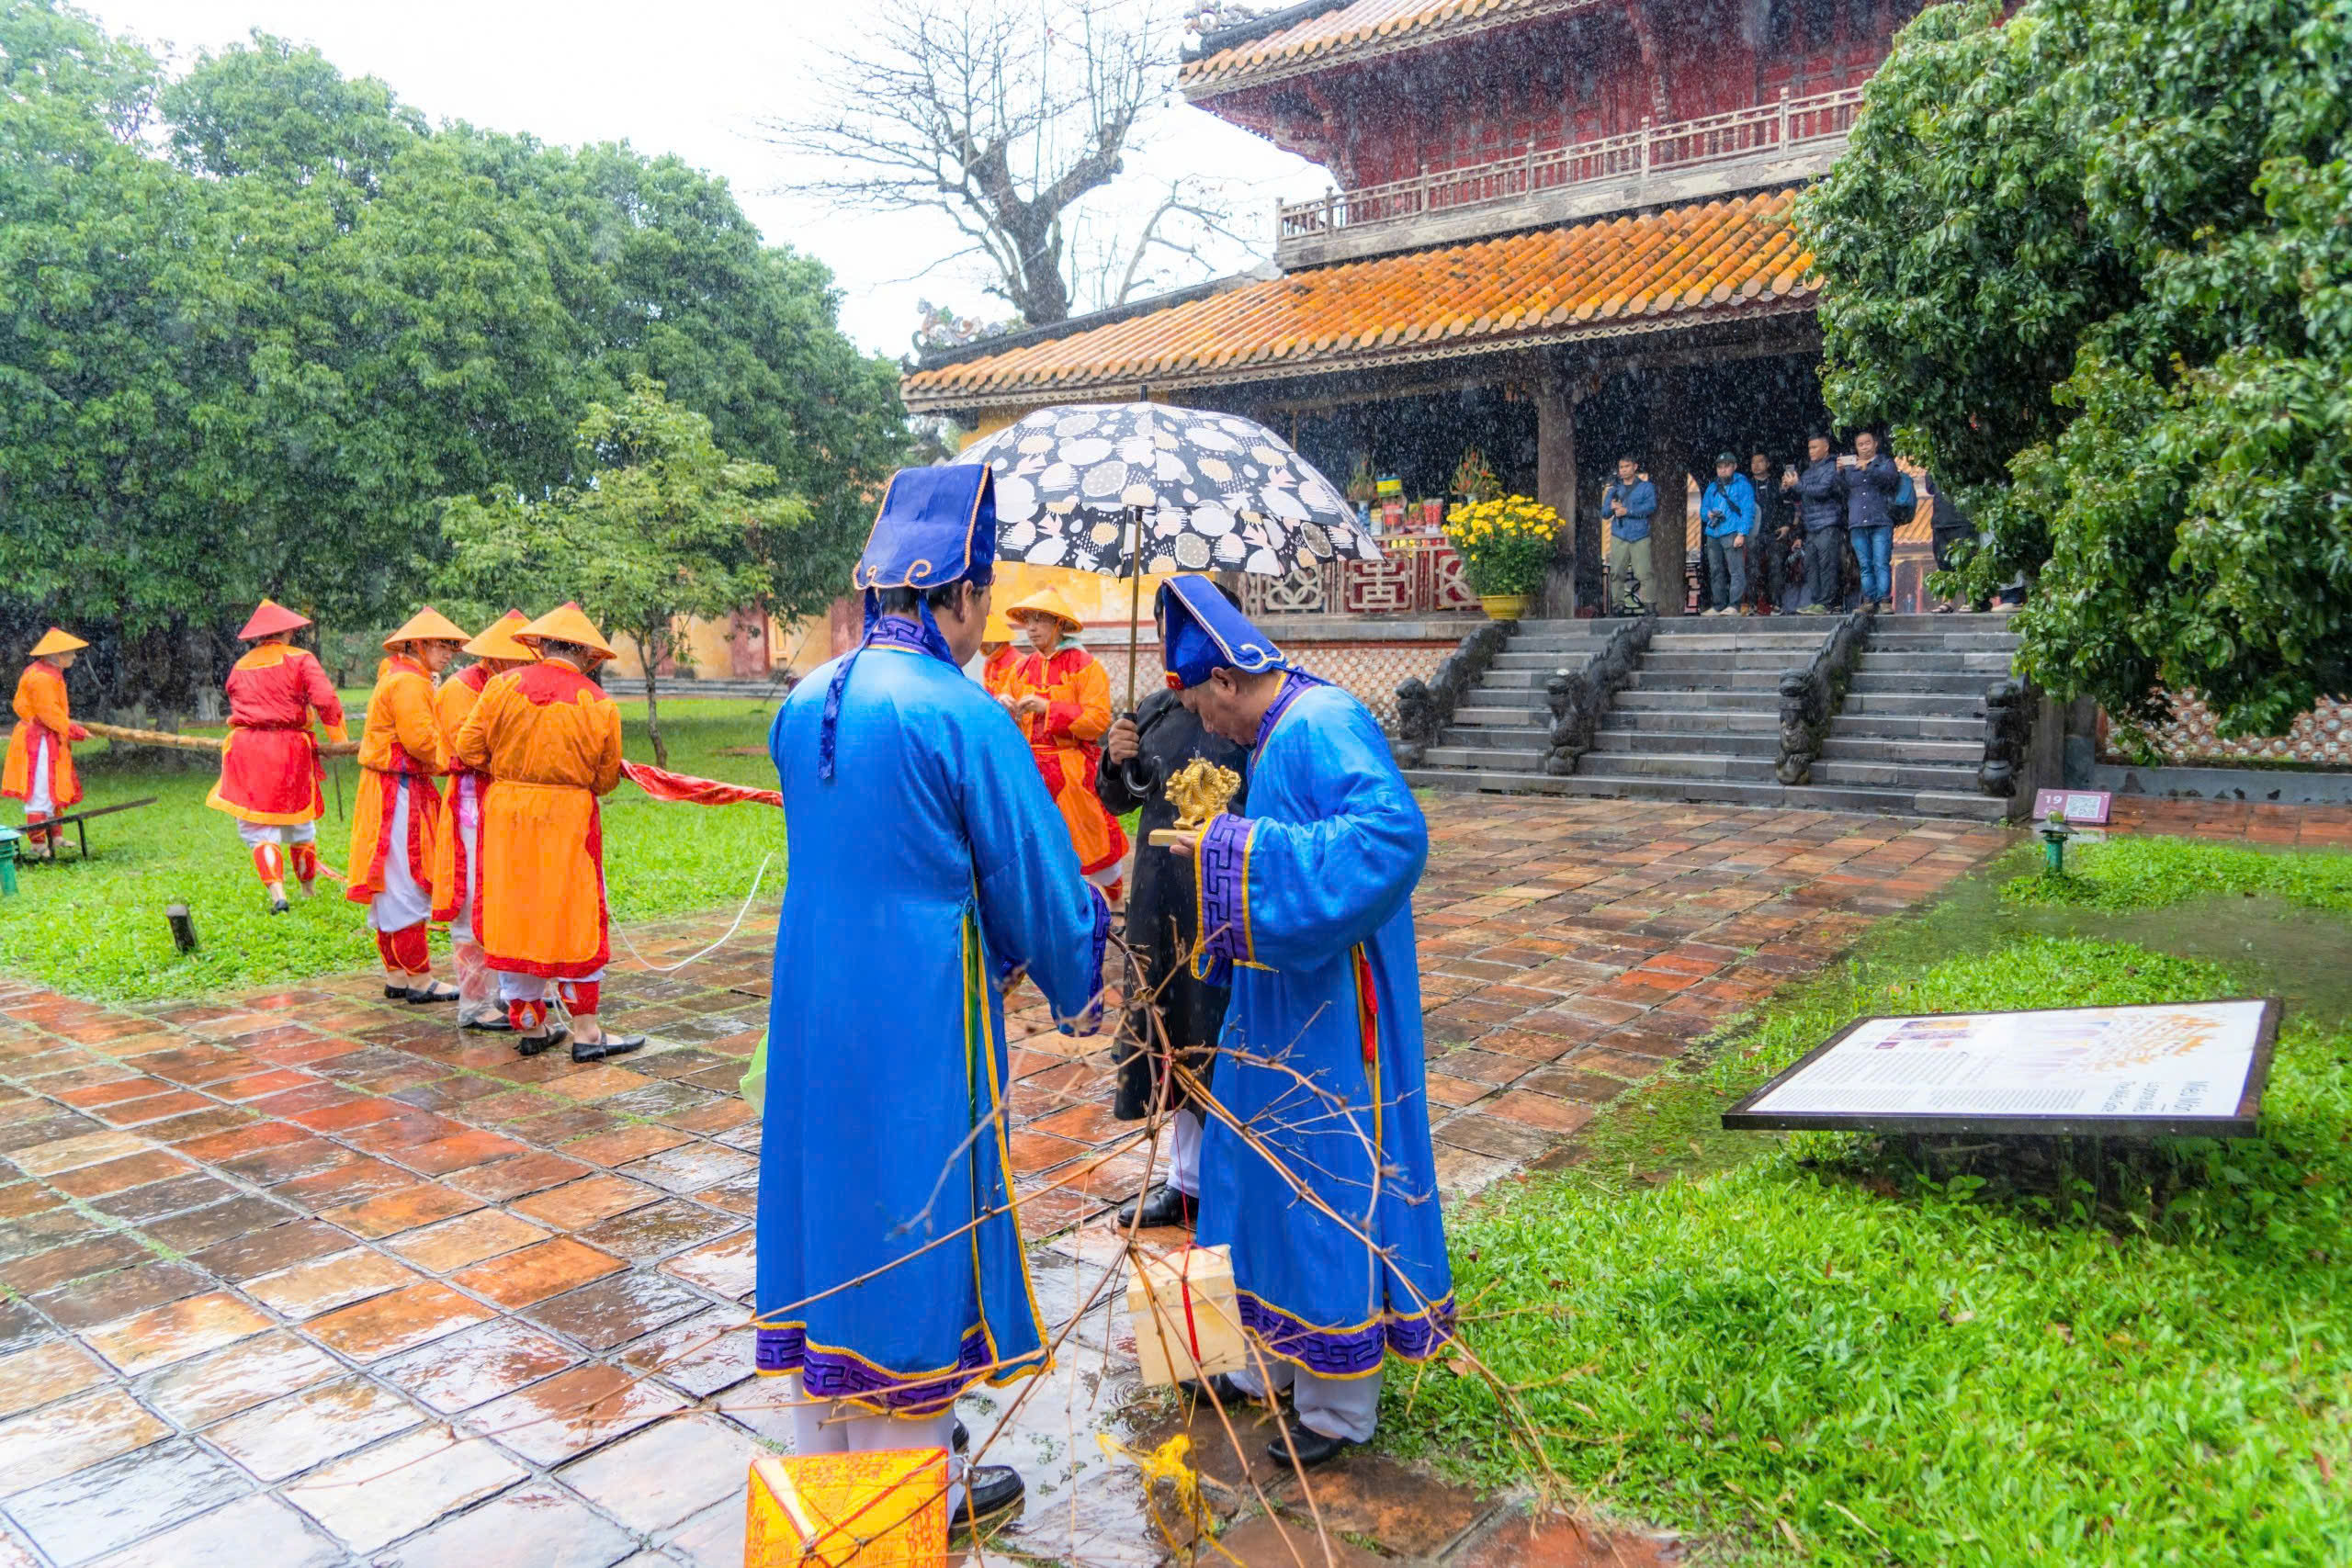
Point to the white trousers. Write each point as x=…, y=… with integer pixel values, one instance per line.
x=257, y=834
x=824, y=1426
x=1184, y=1153
x=465, y=808
x=41, y=799
x=532, y=988
x=403, y=901
x=1336, y=1407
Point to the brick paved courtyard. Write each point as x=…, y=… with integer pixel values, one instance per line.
x=309, y=1278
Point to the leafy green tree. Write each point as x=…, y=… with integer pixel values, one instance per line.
x=2092, y=266
x=658, y=531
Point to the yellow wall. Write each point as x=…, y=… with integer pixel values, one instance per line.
x=1098, y=601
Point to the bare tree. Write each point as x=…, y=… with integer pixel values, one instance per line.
x=1004, y=115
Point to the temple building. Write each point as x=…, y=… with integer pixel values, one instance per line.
x=1556, y=231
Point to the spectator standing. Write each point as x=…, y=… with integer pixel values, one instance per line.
x=1728, y=508
x=1870, y=481
x=1948, y=526
x=1628, y=504
x=1767, y=556
x=1820, y=498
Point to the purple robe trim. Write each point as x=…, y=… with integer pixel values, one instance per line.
x=1348, y=1352
x=1223, y=873
x=825, y=1374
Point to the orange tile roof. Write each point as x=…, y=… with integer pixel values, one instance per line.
x=1357, y=31
x=1602, y=279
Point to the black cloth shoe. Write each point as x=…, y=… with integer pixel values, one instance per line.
x=1313, y=1446
x=991, y=1491
x=1163, y=1205
x=610, y=1045
x=433, y=991
x=277, y=906
x=391, y=993
x=532, y=1044
x=1229, y=1394
x=496, y=1024
x=961, y=1438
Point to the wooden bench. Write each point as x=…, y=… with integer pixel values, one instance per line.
x=79, y=820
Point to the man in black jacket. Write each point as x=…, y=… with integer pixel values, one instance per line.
x=1141, y=752
x=1820, y=494
x=1769, y=551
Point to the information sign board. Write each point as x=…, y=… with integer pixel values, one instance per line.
x=2174, y=1068
x=2078, y=805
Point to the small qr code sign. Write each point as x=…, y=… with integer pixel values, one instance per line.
x=2076, y=805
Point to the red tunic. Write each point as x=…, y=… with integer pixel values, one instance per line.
x=270, y=771
x=41, y=711
x=401, y=738
x=453, y=874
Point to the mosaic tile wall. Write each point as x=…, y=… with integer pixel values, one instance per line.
x=2323, y=736
x=1370, y=671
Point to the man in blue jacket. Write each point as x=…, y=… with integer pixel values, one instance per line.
x=1869, y=480
x=1628, y=504
x=1728, y=510
x=1821, y=507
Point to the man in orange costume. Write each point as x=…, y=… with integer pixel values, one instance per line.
x=396, y=825
x=1060, y=696
x=39, y=770
x=996, y=653
x=550, y=741
x=456, y=855
x=270, y=770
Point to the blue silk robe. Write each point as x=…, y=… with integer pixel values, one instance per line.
x=928, y=869
x=1309, y=900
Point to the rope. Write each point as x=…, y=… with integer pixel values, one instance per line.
x=749, y=899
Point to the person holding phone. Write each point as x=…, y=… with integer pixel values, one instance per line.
x=1820, y=496
x=1728, y=510
x=1627, y=504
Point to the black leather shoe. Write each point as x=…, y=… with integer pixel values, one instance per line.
x=1313, y=1446
x=991, y=1491
x=488, y=1024
x=430, y=992
x=961, y=1438
x=532, y=1044
x=1163, y=1205
x=1229, y=1394
x=278, y=906
x=396, y=993
x=610, y=1045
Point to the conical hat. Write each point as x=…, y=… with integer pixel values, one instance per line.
x=427, y=625
x=57, y=640
x=270, y=618
x=998, y=629
x=567, y=623
x=1046, y=602
x=497, y=639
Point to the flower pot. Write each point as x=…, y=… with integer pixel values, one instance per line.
x=1505, y=606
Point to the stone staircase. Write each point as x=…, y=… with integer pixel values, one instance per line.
x=1699, y=719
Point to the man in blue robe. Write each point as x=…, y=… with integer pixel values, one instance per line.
x=928, y=865
x=1317, y=1167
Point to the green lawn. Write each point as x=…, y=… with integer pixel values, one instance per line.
x=98, y=929
x=1810, y=1349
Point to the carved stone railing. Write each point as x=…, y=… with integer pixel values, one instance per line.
x=1425, y=707
x=2008, y=726
x=1810, y=696
x=1579, y=698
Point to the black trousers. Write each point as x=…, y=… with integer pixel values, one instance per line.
x=1825, y=559
x=1767, y=565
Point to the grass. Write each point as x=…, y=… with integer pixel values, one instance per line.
x=98, y=929
x=1818, y=1349
x=2150, y=873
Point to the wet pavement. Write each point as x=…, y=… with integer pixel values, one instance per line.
x=306, y=1276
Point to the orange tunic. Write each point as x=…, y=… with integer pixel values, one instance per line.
x=41, y=711
x=1066, y=742
x=455, y=700
x=996, y=668
x=400, y=738
x=270, y=771
x=550, y=741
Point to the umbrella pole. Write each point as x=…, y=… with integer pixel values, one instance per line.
x=1135, y=598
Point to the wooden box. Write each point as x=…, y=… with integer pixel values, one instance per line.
x=1186, y=1323
x=882, y=1509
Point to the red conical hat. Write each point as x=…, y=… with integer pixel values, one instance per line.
x=497, y=639
x=57, y=639
x=270, y=618
x=427, y=625
x=568, y=623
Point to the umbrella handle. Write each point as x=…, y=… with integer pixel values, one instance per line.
x=1135, y=599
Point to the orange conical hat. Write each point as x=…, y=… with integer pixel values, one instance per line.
x=270, y=618
x=57, y=640
x=998, y=629
x=1046, y=602
x=497, y=639
x=568, y=623
x=427, y=625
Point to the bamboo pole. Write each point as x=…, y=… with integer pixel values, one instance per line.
x=198, y=743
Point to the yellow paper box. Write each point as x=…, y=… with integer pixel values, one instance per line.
x=887, y=1509
x=1186, y=1323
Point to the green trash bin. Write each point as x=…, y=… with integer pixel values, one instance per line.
x=9, y=839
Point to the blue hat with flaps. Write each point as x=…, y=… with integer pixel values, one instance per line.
x=1201, y=631
x=935, y=527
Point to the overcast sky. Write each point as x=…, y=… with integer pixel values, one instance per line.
x=684, y=76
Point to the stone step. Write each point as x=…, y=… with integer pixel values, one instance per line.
x=1888, y=802
x=1707, y=666
x=1571, y=642
x=1959, y=684
x=1745, y=743
x=1940, y=642
x=1759, y=700
x=1734, y=640
x=1524, y=680
x=1852, y=726
x=1839, y=747
x=1498, y=717
x=1568, y=658
x=1991, y=663
x=1888, y=775
x=1942, y=705
x=1687, y=721
x=1531, y=738
x=1648, y=680
x=1521, y=759
x=1956, y=622
x=1716, y=765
